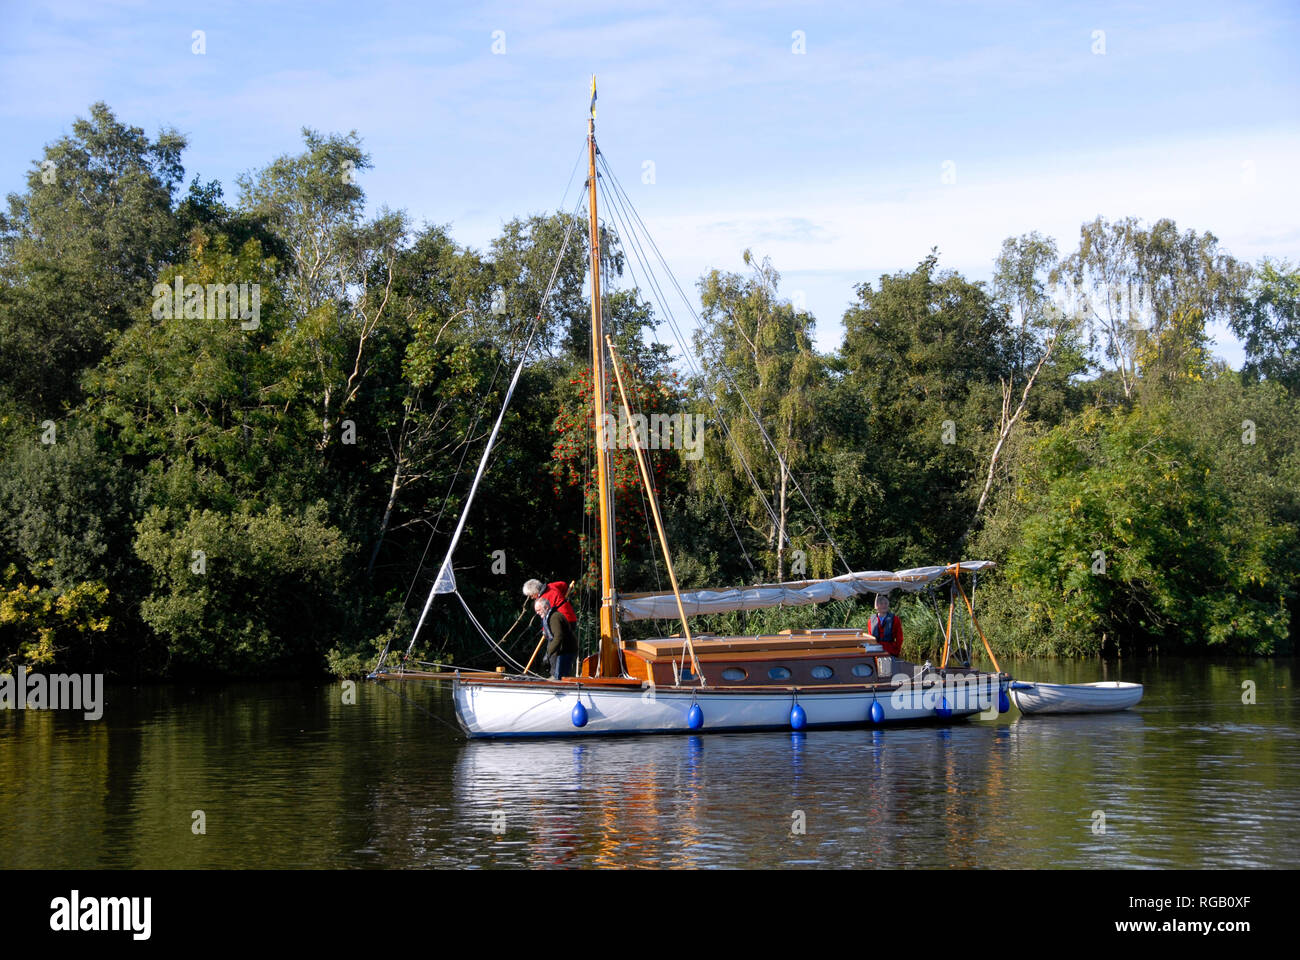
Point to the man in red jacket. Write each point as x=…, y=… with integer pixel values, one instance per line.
x=885, y=627
x=556, y=594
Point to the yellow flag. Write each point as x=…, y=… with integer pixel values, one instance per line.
x=593, y=96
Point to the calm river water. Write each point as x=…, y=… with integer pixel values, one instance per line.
x=288, y=775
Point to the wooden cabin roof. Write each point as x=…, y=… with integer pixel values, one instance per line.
x=787, y=643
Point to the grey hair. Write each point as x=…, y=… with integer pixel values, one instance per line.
x=532, y=588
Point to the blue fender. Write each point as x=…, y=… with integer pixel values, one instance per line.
x=798, y=718
x=695, y=719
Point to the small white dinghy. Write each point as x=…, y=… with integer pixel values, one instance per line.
x=1102, y=697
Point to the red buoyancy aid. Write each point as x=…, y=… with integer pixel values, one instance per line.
x=555, y=595
x=888, y=632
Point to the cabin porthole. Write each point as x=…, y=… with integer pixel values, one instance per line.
x=779, y=673
x=822, y=672
x=862, y=670
x=734, y=674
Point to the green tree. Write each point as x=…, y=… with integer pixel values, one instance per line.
x=65, y=548
x=1269, y=326
x=243, y=591
x=79, y=251
x=1133, y=533
x=198, y=402
x=1131, y=282
x=339, y=280
x=1045, y=349
x=760, y=365
x=924, y=361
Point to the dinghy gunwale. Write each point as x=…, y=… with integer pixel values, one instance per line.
x=1104, y=696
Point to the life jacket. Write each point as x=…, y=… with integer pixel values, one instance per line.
x=554, y=594
x=883, y=630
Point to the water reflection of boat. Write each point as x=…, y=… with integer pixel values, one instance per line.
x=686, y=683
x=851, y=798
x=610, y=802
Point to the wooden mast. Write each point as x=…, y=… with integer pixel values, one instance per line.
x=609, y=661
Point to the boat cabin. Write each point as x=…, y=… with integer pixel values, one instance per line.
x=789, y=658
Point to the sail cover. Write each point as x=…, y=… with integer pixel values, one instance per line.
x=798, y=593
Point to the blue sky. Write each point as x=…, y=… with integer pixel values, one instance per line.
x=831, y=161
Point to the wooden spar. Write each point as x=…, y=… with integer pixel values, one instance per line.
x=536, y=650
x=947, y=631
x=654, y=510
x=609, y=661
x=956, y=578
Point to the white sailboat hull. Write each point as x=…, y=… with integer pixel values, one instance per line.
x=546, y=710
x=1075, y=697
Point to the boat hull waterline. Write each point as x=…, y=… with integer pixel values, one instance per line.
x=1106, y=697
x=529, y=709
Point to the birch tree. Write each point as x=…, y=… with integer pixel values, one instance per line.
x=762, y=369
x=1026, y=275
x=339, y=279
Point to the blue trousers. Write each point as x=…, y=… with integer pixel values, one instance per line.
x=561, y=665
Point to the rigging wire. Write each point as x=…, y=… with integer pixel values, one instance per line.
x=763, y=430
x=618, y=229
x=488, y=637
x=686, y=352
x=723, y=503
x=532, y=331
x=478, y=415
x=730, y=382
x=482, y=403
x=486, y=458
x=757, y=487
x=634, y=255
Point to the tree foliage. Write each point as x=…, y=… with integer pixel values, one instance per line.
x=1270, y=325
x=759, y=366
x=79, y=251
x=191, y=483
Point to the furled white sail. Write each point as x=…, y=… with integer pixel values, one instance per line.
x=797, y=593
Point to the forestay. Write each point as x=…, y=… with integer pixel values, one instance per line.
x=796, y=593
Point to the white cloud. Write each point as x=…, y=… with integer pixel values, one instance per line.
x=826, y=242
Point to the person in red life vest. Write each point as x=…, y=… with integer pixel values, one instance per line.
x=556, y=594
x=885, y=627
